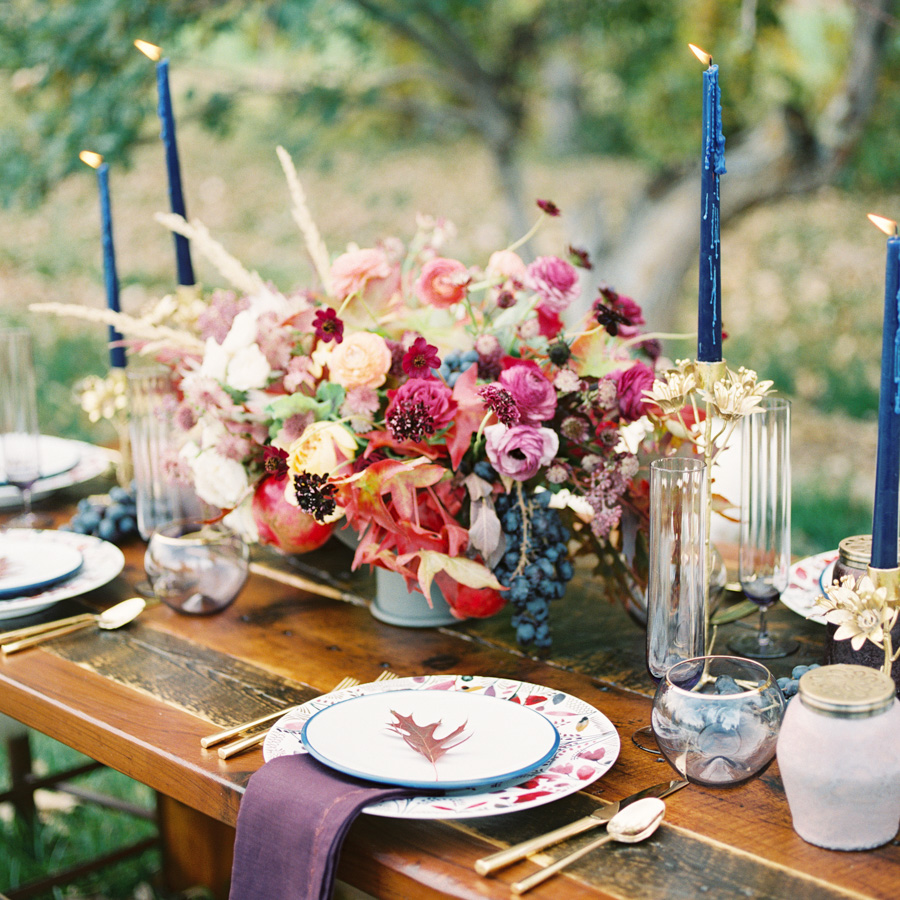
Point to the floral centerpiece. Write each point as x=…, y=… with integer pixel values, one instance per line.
x=440, y=410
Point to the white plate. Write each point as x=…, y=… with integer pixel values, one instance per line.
x=805, y=585
x=102, y=562
x=498, y=741
x=89, y=461
x=57, y=455
x=27, y=565
x=588, y=746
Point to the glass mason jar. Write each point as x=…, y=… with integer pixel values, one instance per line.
x=853, y=559
x=837, y=752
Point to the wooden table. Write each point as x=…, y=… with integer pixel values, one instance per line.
x=140, y=699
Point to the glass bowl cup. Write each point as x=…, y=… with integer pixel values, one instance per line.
x=196, y=568
x=713, y=737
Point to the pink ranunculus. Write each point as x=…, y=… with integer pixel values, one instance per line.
x=433, y=393
x=554, y=280
x=533, y=393
x=630, y=385
x=519, y=452
x=443, y=282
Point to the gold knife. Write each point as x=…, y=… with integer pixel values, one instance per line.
x=599, y=816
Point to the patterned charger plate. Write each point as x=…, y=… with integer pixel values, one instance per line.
x=589, y=745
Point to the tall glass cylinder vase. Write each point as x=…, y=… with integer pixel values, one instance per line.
x=161, y=496
x=676, y=606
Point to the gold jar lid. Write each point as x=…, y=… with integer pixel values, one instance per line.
x=856, y=551
x=847, y=692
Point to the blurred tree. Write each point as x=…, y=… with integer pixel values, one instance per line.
x=597, y=76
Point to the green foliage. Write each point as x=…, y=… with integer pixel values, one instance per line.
x=63, y=356
x=402, y=68
x=823, y=515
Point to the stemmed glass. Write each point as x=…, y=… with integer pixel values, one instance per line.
x=19, y=421
x=765, y=543
x=677, y=583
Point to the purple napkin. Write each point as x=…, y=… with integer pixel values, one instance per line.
x=292, y=822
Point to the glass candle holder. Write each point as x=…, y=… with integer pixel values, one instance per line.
x=195, y=568
x=716, y=719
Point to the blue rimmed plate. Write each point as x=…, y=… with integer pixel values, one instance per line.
x=500, y=740
x=32, y=561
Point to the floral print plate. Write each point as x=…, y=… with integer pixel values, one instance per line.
x=589, y=745
x=806, y=584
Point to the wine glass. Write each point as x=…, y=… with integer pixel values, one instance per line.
x=19, y=422
x=676, y=587
x=765, y=543
x=196, y=568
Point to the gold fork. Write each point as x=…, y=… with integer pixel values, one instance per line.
x=253, y=740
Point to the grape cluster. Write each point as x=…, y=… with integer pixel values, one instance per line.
x=790, y=686
x=454, y=363
x=535, y=566
x=110, y=517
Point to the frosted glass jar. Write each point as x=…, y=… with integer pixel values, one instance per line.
x=839, y=760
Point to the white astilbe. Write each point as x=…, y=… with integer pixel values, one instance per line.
x=197, y=233
x=154, y=336
x=315, y=246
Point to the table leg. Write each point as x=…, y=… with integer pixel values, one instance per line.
x=197, y=850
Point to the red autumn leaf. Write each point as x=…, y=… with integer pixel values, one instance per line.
x=534, y=698
x=421, y=737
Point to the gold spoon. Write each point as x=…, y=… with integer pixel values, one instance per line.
x=110, y=619
x=629, y=826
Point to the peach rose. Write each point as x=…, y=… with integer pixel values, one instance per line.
x=363, y=359
x=507, y=263
x=320, y=449
x=443, y=282
x=367, y=272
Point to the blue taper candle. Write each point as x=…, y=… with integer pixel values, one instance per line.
x=110, y=277
x=887, y=459
x=176, y=194
x=709, y=306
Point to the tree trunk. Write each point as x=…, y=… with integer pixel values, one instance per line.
x=652, y=254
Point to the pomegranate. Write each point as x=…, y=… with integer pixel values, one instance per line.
x=282, y=525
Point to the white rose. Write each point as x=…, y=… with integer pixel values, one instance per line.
x=242, y=332
x=218, y=480
x=248, y=368
x=215, y=361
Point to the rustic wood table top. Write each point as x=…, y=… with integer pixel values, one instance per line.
x=140, y=699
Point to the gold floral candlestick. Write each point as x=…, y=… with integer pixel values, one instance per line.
x=865, y=609
x=106, y=398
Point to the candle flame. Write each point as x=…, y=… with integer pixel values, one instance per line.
x=149, y=50
x=888, y=226
x=702, y=55
x=90, y=158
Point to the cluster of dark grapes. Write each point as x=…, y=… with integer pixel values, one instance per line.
x=536, y=565
x=790, y=686
x=454, y=363
x=111, y=517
